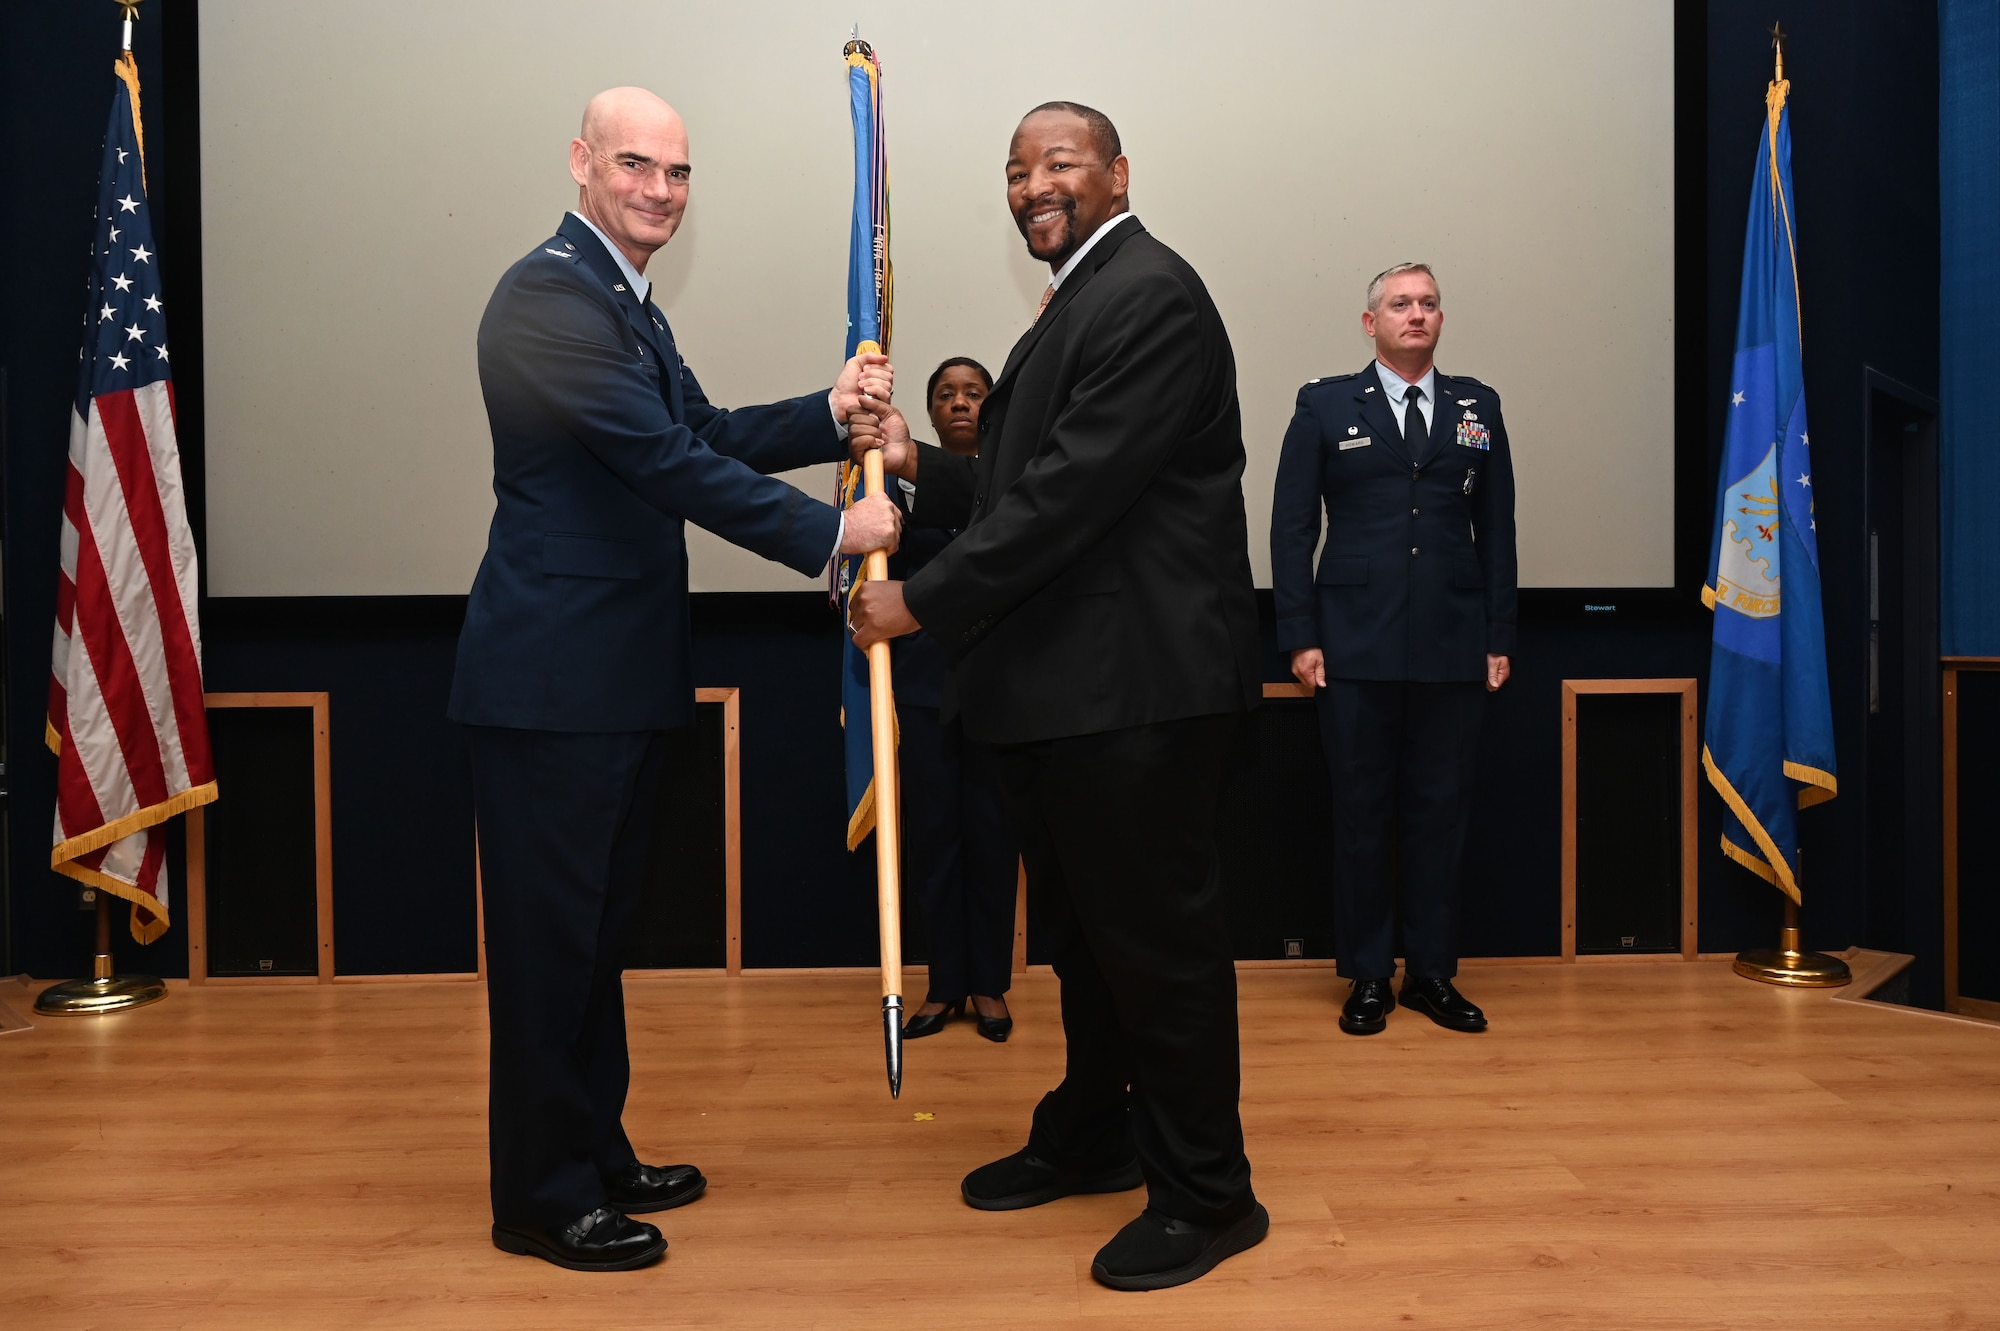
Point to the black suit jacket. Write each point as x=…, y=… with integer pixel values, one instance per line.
x=921, y=666
x=1417, y=580
x=604, y=448
x=1103, y=577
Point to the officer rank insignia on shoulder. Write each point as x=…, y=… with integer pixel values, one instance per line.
x=1329, y=379
x=560, y=254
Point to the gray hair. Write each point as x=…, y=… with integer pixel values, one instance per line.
x=1397, y=270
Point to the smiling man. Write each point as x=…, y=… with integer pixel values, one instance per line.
x=1099, y=612
x=1405, y=627
x=574, y=681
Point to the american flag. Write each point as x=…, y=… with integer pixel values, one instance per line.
x=126, y=718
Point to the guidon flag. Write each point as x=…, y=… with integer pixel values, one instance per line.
x=871, y=296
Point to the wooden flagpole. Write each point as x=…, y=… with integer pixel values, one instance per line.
x=888, y=812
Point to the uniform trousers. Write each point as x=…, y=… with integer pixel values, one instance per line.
x=1401, y=757
x=1119, y=833
x=963, y=857
x=565, y=830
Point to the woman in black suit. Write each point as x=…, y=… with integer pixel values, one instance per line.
x=963, y=857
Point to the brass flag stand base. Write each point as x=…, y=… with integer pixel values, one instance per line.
x=104, y=991
x=1785, y=964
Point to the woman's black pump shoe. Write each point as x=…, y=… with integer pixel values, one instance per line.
x=916, y=1028
x=995, y=1029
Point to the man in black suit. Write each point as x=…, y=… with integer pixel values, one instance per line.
x=1101, y=618
x=1406, y=627
x=574, y=681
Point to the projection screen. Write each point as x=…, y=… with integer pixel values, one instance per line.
x=369, y=169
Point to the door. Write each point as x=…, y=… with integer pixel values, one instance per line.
x=1901, y=763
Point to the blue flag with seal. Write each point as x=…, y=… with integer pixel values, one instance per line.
x=870, y=298
x=1768, y=743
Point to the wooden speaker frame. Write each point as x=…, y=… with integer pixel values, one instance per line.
x=1953, y=1000
x=1690, y=761
x=197, y=848
x=732, y=849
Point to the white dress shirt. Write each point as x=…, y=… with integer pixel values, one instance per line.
x=1069, y=265
x=639, y=282
x=1399, y=388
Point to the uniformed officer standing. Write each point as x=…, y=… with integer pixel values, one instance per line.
x=1410, y=613
x=575, y=674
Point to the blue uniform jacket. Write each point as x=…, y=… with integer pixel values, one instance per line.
x=603, y=448
x=1418, y=577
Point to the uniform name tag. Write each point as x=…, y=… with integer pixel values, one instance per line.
x=1362, y=442
x=1475, y=434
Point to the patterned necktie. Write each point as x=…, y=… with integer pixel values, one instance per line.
x=1415, y=434
x=1047, y=296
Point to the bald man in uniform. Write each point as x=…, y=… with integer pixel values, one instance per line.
x=574, y=680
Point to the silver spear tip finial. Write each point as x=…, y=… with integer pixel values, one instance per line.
x=892, y=1042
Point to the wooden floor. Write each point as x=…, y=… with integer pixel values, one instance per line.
x=1633, y=1146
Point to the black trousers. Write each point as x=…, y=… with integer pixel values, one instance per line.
x=962, y=855
x=1119, y=833
x=1401, y=757
x=565, y=827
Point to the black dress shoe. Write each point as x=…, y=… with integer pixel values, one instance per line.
x=1442, y=1003
x=604, y=1240
x=916, y=1028
x=995, y=1029
x=1158, y=1252
x=1366, y=1011
x=638, y=1189
x=1020, y=1180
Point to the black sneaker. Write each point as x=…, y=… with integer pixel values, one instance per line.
x=1020, y=1180
x=1158, y=1252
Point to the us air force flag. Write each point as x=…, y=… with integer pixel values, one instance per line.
x=1768, y=746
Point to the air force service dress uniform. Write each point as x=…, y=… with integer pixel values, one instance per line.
x=1415, y=587
x=574, y=678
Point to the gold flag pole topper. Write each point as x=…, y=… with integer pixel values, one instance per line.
x=1786, y=964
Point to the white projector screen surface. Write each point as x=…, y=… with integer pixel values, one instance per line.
x=371, y=167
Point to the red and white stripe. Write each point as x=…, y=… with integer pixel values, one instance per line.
x=125, y=698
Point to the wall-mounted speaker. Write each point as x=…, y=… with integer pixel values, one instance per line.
x=688, y=919
x=1276, y=838
x=1628, y=817
x=1971, y=850
x=260, y=877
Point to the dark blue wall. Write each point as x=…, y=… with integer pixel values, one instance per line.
x=1864, y=102
x=1969, y=152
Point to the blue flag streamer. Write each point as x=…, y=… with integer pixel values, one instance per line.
x=870, y=298
x=1768, y=744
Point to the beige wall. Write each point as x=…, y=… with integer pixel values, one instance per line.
x=370, y=167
